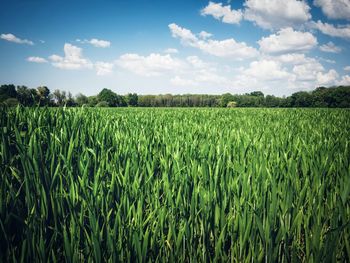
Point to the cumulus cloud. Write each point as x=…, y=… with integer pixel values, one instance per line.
x=183, y=82
x=151, y=65
x=267, y=70
x=12, y=38
x=308, y=70
x=347, y=68
x=287, y=40
x=345, y=81
x=275, y=14
x=265, y=75
x=220, y=48
x=96, y=42
x=330, y=61
x=223, y=13
x=184, y=34
x=36, y=60
x=330, y=47
x=73, y=59
x=205, y=35
x=198, y=73
x=293, y=58
x=171, y=51
x=103, y=68
x=334, y=9
x=227, y=48
x=328, y=78
x=342, y=31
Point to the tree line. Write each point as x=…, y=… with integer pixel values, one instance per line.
x=42, y=96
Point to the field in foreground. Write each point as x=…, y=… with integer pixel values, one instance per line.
x=241, y=185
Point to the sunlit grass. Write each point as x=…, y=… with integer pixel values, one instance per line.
x=240, y=185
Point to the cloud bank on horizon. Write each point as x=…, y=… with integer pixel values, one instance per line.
x=276, y=46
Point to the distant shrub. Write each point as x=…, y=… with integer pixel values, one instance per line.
x=102, y=104
x=11, y=102
x=231, y=104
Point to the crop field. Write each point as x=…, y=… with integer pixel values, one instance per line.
x=193, y=185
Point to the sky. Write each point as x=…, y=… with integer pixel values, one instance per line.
x=185, y=46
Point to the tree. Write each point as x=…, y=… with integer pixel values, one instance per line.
x=301, y=99
x=132, y=99
x=319, y=95
x=11, y=102
x=44, y=95
x=70, y=102
x=225, y=98
x=92, y=101
x=7, y=91
x=59, y=97
x=26, y=96
x=257, y=94
x=102, y=104
x=81, y=99
x=108, y=96
x=272, y=101
x=232, y=104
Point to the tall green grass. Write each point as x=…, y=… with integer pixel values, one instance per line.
x=137, y=185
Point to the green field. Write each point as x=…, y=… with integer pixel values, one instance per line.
x=132, y=184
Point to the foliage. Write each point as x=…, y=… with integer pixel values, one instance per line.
x=232, y=104
x=60, y=97
x=7, y=91
x=102, y=104
x=44, y=95
x=132, y=99
x=92, y=101
x=334, y=97
x=106, y=95
x=81, y=99
x=184, y=185
x=11, y=102
x=26, y=96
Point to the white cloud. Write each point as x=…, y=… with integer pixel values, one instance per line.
x=266, y=75
x=189, y=72
x=220, y=48
x=196, y=62
x=308, y=70
x=335, y=9
x=182, y=82
x=103, y=68
x=342, y=31
x=95, y=42
x=152, y=65
x=292, y=58
x=345, y=81
x=275, y=14
x=36, y=60
x=223, y=13
x=347, y=68
x=73, y=59
x=99, y=43
x=287, y=40
x=330, y=61
x=227, y=48
x=205, y=35
x=12, y=38
x=198, y=73
x=185, y=35
x=330, y=47
x=268, y=70
x=327, y=79
x=171, y=51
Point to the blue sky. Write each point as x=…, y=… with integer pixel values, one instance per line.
x=153, y=47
